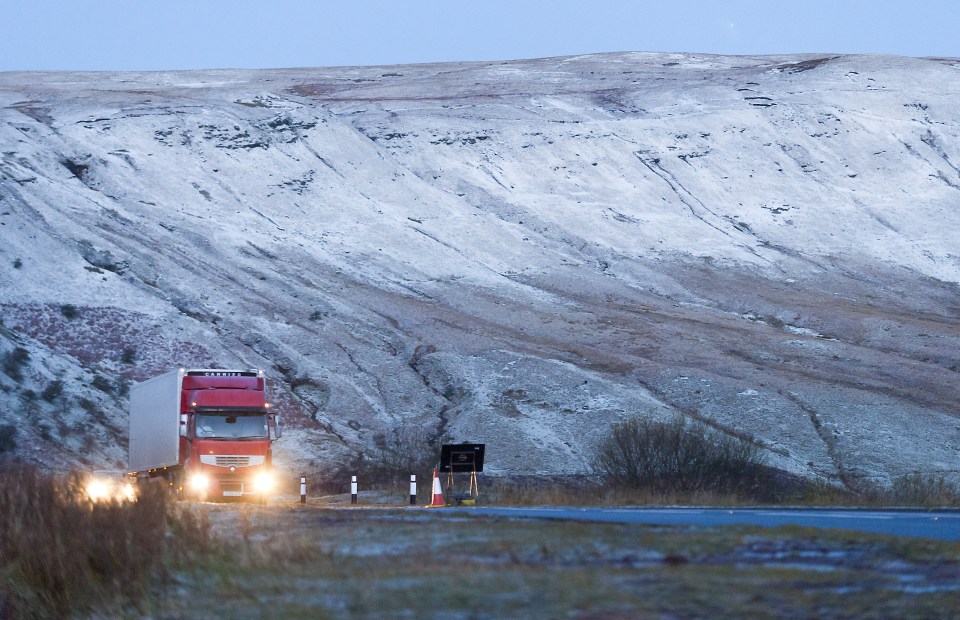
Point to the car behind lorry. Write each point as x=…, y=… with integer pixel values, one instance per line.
x=207, y=432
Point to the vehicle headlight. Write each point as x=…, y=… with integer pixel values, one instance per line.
x=97, y=490
x=263, y=482
x=127, y=492
x=198, y=481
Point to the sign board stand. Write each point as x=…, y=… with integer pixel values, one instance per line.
x=464, y=458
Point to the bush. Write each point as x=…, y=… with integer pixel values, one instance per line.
x=129, y=355
x=8, y=438
x=69, y=311
x=103, y=384
x=677, y=457
x=918, y=490
x=64, y=429
x=53, y=390
x=14, y=361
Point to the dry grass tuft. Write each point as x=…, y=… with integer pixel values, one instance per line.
x=63, y=555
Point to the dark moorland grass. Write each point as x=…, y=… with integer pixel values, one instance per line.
x=909, y=491
x=63, y=555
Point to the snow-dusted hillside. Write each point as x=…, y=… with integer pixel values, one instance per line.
x=517, y=253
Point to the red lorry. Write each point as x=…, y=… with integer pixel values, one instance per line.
x=208, y=432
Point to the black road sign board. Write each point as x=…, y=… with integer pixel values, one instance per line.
x=462, y=458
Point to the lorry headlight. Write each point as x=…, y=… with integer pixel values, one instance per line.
x=127, y=492
x=198, y=482
x=263, y=482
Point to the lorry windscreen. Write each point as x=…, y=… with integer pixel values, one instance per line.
x=232, y=425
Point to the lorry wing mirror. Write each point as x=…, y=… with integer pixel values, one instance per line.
x=278, y=427
x=183, y=425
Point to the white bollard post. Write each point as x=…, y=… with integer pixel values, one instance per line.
x=413, y=489
x=353, y=489
x=303, y=488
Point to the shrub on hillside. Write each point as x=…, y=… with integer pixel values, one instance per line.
x=43, y=429
x=8, y=438
x=14, y=361
x=129, y=355
x=677, y=457
x=103, y=384
x=53, y=390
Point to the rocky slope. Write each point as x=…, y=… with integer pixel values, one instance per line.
x=517, y=253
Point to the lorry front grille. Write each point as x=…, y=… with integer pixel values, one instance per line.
x=231, y=460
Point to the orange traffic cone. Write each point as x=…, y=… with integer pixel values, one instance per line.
x=437, y=500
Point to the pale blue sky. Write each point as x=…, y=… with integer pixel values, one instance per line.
x=202, y=34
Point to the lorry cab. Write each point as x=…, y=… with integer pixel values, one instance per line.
x=226, y=435
x=208, y=431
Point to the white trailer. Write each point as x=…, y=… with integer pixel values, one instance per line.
x=154, y=441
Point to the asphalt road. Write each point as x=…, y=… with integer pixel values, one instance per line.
x=941, y=525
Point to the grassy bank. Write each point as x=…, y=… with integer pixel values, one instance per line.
x=314, y=562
